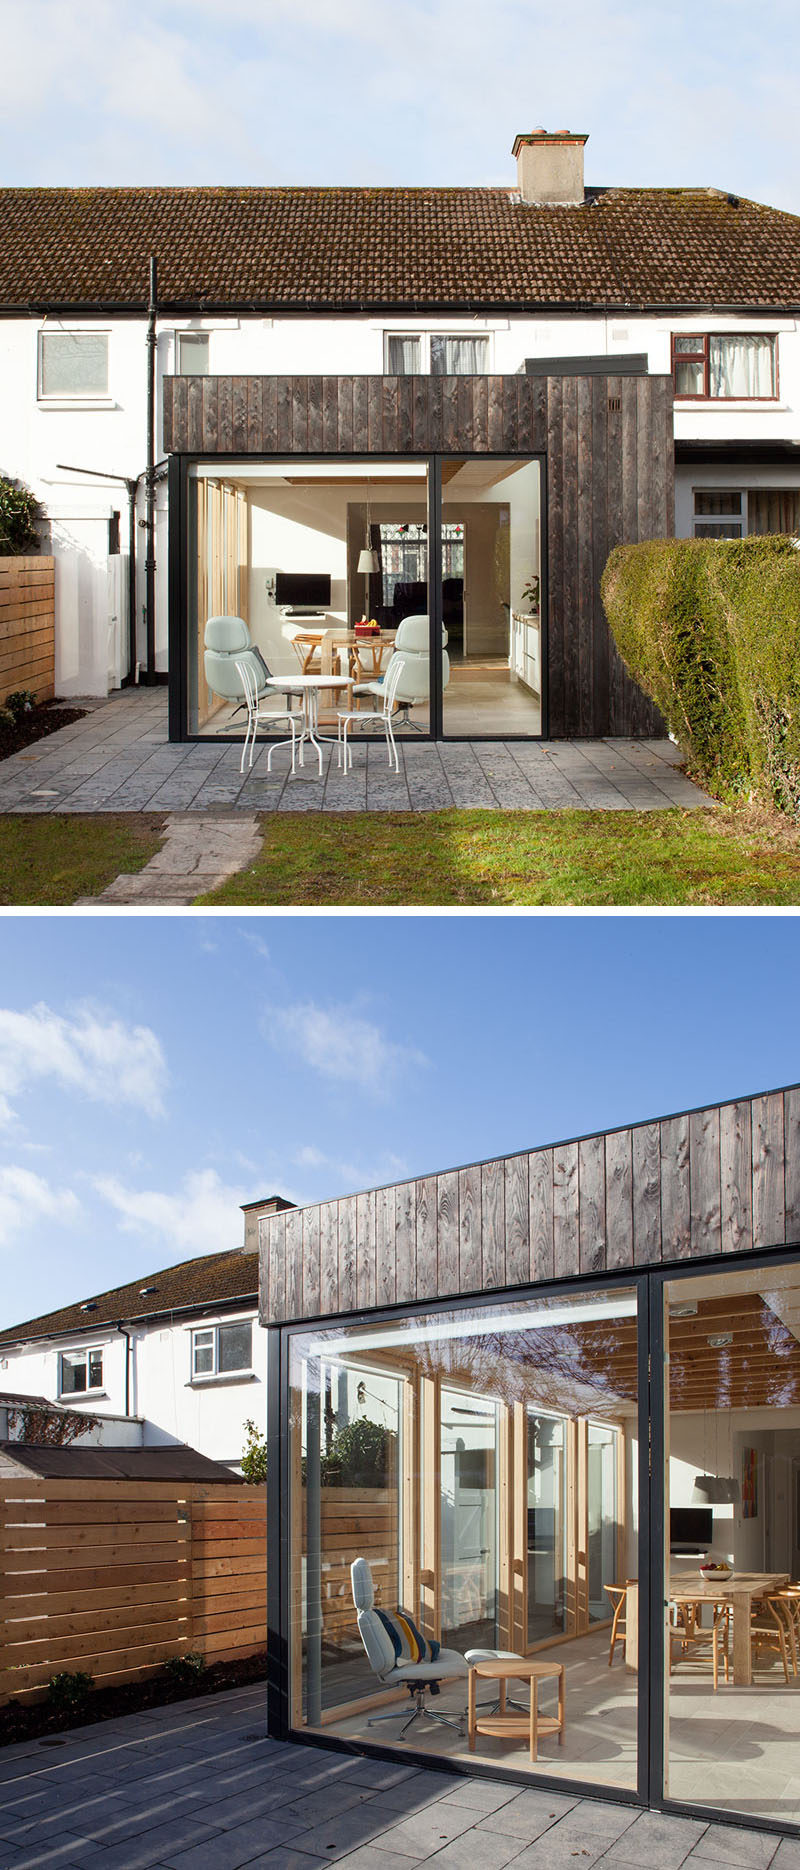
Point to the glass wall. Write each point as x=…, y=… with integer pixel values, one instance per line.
x=303, y=552
x=491, y=596
x=732, y=1494
x=479, y=1463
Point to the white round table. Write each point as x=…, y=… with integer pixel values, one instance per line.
x=309, y=687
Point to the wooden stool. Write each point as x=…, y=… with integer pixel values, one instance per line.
x=505, y=1726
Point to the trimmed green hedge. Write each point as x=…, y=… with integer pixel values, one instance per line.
x=711, y=630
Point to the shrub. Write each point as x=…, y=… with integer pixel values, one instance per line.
x=711, y=630
x=361, y=1455
x=69, y=1690
x=185, y=1668
x=21, y=701
x=254, y=1458
x=19, y=512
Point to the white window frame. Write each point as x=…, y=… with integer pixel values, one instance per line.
x=180, y=337
x=79, y=399
x=215, y=1374
x=720, y=519
x=94, y=1389
x=423, y=338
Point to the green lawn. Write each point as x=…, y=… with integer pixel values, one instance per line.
x=530, y=859
x=47, y=861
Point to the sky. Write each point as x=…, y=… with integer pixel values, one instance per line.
x=421, y=92
x=155, y=1072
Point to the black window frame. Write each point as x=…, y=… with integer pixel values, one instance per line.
x=649, y=1283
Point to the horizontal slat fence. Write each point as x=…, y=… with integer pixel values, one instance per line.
x=356, y=1521
x=115, y=1577
x=27, y=626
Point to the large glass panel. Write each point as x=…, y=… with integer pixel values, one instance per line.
x=732, y=1460
x=480, y=1465
x=491, y=596
x=303, y=552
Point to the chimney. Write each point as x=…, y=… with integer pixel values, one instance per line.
x=253, y=1210
x=550, y=168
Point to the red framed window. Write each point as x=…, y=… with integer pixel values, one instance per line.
x=725, y=366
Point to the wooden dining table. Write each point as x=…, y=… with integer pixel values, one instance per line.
x=740, y=1591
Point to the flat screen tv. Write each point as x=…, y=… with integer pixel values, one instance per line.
x=298, y=588
x=691, y=1528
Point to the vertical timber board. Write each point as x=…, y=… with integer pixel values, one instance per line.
x=566, y=1247
x=405, y=1239
x=493, y=1246
x=584, y=618
x=517, y=1216
x=277, y=1264
x=646, y=1194
x=315, y=427
x=592, y=1205
x=791, y=1132
x=366, y=1272
x=736, y=1177
x=555, y=558
x=704, y=1181
x=427, y=1255
x=571, y=613
x=676, y=1214
x=384, y=1246
x=328, y=1258
x=330, y=415
x=469, y=1215
x=447, y=1232
x=619, y=1199
x=769, y=1199
x=294, y=1263
x=311, y=1263
x=601, y=722
x=347, y=1254
x=540, y=1183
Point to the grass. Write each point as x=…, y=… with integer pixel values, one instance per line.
x=53, y=859
x=527, y=859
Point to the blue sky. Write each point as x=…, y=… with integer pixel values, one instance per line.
x=428, y=91
x=157, y=1071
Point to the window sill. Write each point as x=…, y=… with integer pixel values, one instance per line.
x=73, y=1396
x=76, y=402
x=215, y=1382
x=738, y=405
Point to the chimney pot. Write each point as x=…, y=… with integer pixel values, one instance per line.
x=550, y=167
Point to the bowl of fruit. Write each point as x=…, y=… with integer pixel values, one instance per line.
x=716, y=1571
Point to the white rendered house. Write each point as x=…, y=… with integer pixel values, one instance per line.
x=550, y=278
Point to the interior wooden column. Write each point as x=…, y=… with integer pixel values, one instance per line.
x=582, y=1528
x=430, y=1582
x=410, y=1492
x=519, y=1533
x=505, y=1515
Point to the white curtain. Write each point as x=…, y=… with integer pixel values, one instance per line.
x=458, y=357
x=403, y=357
x=742, y=366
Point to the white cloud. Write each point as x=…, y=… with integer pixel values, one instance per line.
x=340, y=1044
x=91, y=1052
x=201, y=1216
x=384, y=1168
x=26, y=1198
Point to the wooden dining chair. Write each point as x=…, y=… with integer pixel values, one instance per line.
x=770, y=1628
x=617, y=1595
x=687, y=1634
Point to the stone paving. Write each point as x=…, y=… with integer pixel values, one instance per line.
x=196, y=856
x=198, y=1786
x=118, y=759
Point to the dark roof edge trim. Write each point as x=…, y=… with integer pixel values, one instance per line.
x=418, y=308
x=736, y=453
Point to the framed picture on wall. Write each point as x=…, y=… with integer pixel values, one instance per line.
x=749, y=1483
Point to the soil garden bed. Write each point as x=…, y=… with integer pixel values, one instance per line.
x=39, y=1720
x=43, y=719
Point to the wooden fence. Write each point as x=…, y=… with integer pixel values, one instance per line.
x=27, y=626
x=116, y=1577
x=356, y=1521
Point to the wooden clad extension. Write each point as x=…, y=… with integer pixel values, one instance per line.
x=609, y=453
x=27, y=626
x=716, y=1181
x=115, y=1577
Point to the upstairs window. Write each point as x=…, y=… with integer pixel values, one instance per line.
x=79, y=1372
x=414, y=354
x=73, y=365
x=731, y=367
x=222, y=1350
x=192, y=349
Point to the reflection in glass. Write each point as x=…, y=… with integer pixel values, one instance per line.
x=491, y=595
x=482, y=1463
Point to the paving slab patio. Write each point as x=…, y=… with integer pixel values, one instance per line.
x=200, y=1786
x=118, y=759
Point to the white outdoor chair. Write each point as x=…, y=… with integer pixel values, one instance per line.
x=385, y=691
x=256, y=714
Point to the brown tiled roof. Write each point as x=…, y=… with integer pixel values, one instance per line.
x=176, y=1463
x=409, y=248
x=215, y=1279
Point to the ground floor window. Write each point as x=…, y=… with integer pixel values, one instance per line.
x=599, y=1487
x=330, y=568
